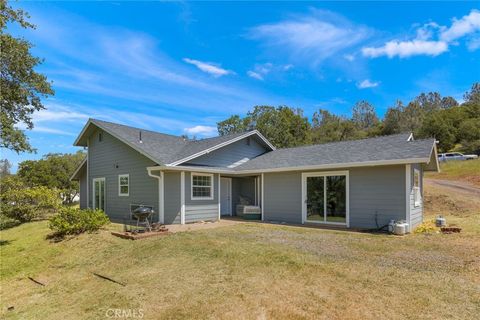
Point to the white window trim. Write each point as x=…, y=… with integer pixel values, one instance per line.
x=212, y=187
x=417, y=197
x=305, y=175
x=120, y=194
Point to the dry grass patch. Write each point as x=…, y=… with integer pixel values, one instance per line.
x=244, y=271
x=467, y=171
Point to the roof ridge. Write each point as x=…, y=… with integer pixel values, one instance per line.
x=137, y=128
x=345, y=141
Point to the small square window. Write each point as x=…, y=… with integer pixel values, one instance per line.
x=202, y=186
x=100, y=136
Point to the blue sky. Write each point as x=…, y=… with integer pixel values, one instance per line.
x=181, y=67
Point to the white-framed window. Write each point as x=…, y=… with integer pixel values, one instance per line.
x=123, y=185
x=202, y=186
x=417, y=195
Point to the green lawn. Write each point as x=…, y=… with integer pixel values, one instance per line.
x=243, y=271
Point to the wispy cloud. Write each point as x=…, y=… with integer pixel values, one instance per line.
x=461, y=27
x=255, y=75
x=261, y=70
x=405, y=49
x=129, y=67
x=203, y=131
x=317, y=36
x=431, y=39
x=367, y=84
x=208, y=67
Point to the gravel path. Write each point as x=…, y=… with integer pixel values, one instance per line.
x=456, y=186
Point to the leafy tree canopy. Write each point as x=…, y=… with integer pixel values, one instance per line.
x=283, y=126
x=53, y=171
x=427, y=115
x=21, y=88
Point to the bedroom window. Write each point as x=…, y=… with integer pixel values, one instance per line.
x=416, y=188
x=123, y=185
x=202, y=186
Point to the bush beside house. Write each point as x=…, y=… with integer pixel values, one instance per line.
x=71, y=221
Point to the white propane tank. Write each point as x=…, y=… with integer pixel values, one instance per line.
x=400, y=228
x=440, y=221
x=391, y=226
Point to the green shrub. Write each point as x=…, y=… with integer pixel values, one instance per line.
x=75, y=221
x=6, y=222
x=27, y=204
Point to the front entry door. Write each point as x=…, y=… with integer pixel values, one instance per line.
x=99, y=193
x=226, y=196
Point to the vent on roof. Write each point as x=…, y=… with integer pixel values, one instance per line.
x=140, y=136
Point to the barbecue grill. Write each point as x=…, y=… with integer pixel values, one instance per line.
x=143, y=213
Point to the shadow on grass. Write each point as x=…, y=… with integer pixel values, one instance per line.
x=5, y=242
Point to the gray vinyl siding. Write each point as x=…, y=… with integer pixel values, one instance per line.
x=204, y=212
x=283, y=197
x=200, y=210
x=108, y=159
x=377, y=191
x=416, y=213
x=83, y=188
x=374, y=191
x=172, y=208
x=230, y=154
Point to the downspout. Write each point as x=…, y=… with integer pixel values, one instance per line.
x=161, y=213
x=88, y=174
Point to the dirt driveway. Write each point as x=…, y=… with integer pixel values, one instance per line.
x=460, y=187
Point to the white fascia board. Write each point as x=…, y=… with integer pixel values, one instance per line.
x=72, y=177
x=82, y=132
x=221, y=145
x=299, y=168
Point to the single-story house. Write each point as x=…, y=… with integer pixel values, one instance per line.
x=355, y=184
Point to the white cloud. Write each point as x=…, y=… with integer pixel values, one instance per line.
x=431, y=39
x=367, y=84
x=349, y=57
x=261, y=70
x=204, y=131
x=53, y=131
x=461, y=27
x=255, y=75
x=317, y=36
x=56, y=113
x=405, y=49
x=208, y=67
x=473, y=44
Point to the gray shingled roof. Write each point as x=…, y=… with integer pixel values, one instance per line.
x=166, y=149
x=160, y=147
x=393, y=147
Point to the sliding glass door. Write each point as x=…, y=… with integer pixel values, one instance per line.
x=325, y=197
x=99, y=193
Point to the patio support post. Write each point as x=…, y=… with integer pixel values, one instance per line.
x=219, y=186
x=262, y=196
x=182, y=197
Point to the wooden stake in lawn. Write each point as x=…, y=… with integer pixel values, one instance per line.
x=37, y=282
x=109, y=279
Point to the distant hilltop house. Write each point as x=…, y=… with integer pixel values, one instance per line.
x=355, y=184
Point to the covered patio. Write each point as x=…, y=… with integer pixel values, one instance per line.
x=241, y=196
